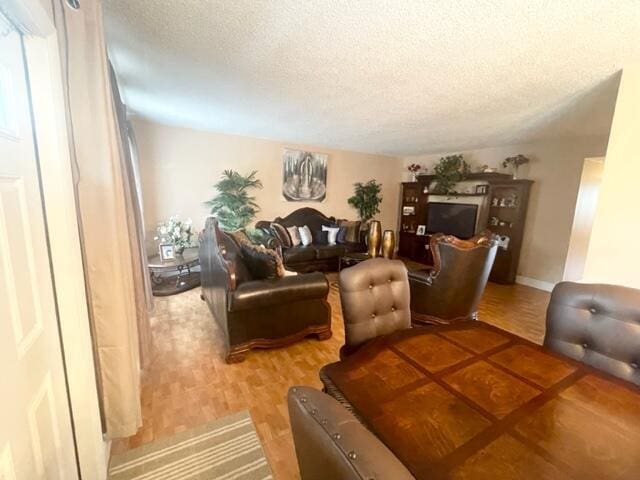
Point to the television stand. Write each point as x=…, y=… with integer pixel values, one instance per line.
x=502, y=210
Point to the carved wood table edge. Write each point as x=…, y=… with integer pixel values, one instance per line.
x=470, y=400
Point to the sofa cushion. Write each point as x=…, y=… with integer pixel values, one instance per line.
x=329, y=251
x=305, y=235
x=353, y=230
x=294, y=234
x=264, y=293
x=281, y=234
x=262, y=262
x=320, y=237
x=299, y=254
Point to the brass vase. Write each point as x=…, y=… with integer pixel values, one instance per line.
x=375, y=236
x=388, y=243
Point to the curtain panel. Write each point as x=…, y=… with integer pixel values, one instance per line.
x=108, y=217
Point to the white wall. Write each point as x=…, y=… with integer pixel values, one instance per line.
x=179, y=166
x=555, y=168
x=613, y=255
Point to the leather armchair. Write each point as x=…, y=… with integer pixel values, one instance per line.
x=331, y=444
x=598, y=325
x=451, y=290
x=375, y=301
x=258, y=313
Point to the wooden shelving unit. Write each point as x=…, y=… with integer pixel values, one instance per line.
x=506, y=200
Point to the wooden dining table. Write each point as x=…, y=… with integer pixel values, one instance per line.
x=470, y=401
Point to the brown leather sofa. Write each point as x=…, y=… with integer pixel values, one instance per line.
x=598, y=325
x=332, y=444
x=317, y=256
x=258, y=313
x=451, y=289
x=375, y=301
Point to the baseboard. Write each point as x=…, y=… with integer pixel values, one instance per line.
x=532, y=282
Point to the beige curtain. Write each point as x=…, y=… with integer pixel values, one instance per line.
x=107, y=210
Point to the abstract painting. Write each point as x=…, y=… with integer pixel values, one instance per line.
x=304, y=176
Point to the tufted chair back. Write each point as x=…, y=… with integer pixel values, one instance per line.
x=375, y=301
x=331, y=444
x=598, y=325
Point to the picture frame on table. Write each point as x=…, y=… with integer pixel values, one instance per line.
x=167, y=251
x=421, y=230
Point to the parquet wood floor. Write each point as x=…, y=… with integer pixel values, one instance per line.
x=188, y=382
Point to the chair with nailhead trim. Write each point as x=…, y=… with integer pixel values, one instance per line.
x=596, y=324
x=375, y=301
x=331, y=444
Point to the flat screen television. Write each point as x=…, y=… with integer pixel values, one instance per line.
x=457, y=219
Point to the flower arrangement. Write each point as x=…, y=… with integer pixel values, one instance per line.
x=515, y=162
x=176, y=232
x=414, y=168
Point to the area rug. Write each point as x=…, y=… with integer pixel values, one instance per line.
x=226, y=449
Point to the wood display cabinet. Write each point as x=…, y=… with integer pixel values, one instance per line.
x=413, y=213
x=509, y=200
x=503, y=212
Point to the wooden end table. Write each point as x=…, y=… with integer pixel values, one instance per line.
x=176, y=275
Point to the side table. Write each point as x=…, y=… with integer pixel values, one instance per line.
x=175, y=275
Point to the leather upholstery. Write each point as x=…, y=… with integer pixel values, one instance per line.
x=331, y=444
x=299, y=254
x=258, y=313
x=317, y=256
x=329, y=251
x=375, y=300
x=265, y=293
x=598, y=325
x=451, y=290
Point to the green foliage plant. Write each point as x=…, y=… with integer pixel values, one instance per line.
x=233, y=206
x=449, y=171
x=366, y=199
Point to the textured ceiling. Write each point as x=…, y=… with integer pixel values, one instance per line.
x=396, y=77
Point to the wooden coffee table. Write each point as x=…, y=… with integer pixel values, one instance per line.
x=472, y=401
x=351, y=259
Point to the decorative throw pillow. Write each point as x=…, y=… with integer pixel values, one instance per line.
x=261, y=261
x=320, y=237
x=353, y=230
x=294, y=235
x=332, y=234
x=281, y=234
x=305, y=235
x=342, y=233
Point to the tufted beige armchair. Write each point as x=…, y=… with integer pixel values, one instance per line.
x=375, y=301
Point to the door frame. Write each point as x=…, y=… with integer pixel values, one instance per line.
x=57, y=184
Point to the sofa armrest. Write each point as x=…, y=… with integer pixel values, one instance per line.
x=424, y=276
x=278, y=291
x=331, y=443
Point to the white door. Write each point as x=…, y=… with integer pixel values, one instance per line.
x=36, y=440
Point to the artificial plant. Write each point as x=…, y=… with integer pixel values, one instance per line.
x=515, y=162
x=233, y=206
x=366, y=199
x=449, y=171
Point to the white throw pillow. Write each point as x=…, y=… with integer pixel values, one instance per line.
x=333, y=234
x=295, y=236
x=305, y=235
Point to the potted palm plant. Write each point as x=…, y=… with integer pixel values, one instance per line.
x=233, y=206
x=366, y=200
